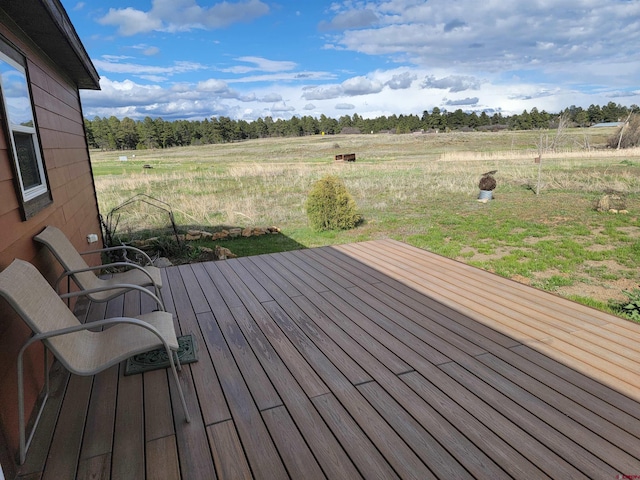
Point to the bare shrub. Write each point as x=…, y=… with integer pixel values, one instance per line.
x=628, y=135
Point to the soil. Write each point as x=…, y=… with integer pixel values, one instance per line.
x=585, y=285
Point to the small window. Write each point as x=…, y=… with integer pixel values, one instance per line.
x=22, y=134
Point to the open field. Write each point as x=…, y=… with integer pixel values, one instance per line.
x=420, y=189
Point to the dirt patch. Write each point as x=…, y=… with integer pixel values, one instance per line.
x=611, y=265
x=534, y=240
x=481, y=257
x=521, y=279
x=601, y=292
x=556, y=220
x=599, y=248
x=633, y=232
x=552, y=272
x=605, y=290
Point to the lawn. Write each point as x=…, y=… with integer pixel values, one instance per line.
x=420, y=189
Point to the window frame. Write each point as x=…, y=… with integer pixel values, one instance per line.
x=35, y=198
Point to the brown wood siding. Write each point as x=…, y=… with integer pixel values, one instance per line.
x=74, y=210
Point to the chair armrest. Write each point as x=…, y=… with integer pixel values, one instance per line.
x=127, y=286
x=100, y=267
x=121, y=247
x=86, y=326
x=98, y=323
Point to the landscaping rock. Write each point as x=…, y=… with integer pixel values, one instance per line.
x=223, y=253
x=162, y=262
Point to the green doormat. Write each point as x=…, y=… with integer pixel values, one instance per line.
x=156, y=359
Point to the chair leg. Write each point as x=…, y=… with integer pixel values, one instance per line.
x=180, y=392
x=21, y=423
x=24, y=441
x=159, y=295
x=178, y=364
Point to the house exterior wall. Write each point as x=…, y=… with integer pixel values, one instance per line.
x=74, y=210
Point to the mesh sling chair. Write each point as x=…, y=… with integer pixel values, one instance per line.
x=96, y=288
x=79, y=350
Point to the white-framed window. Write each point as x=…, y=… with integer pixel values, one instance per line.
x=22, y=136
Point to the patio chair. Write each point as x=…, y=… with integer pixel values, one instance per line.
x=96, y=288
x=80, y=348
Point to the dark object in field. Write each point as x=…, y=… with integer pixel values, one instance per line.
x=346, y=157
x=487, y=182
x=147, y=166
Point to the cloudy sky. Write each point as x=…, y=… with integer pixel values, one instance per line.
x=244, y=59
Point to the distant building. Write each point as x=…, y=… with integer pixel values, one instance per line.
x=607, y=124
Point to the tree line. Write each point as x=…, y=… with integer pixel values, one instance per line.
x=127, y=134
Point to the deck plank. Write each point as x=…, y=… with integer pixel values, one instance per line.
x=558, y=408
x=297, y=456
x=128, y=459
x=367, y=360
x=227, y=453
x=162, y=459
x=448, y=317
x=553, y=443
x=261, y=453
x=158, y=414
x=269, y=342
x=95, y=468
x=432, y=453
x=344, y=322
x=98, y=435
x=549, y=333
x=203, y=372
x=67, y=440
x=191, y=437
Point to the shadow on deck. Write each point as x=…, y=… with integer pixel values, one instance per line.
x=372, y=360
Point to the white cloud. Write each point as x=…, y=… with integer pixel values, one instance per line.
x=112, y=64
x=462, y=102
x=453, y=83
x=401, y=81
x=281, y=107
x=494, y=36
x=260, y=64
x=182, y=15
x=131, y=21
x=360, y=86
x=402, y=56
x=351, y=19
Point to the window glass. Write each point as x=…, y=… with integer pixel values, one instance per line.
x=22, y=131
x=16, y=95
x=27, y=160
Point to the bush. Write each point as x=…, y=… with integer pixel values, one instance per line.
x=331, y=207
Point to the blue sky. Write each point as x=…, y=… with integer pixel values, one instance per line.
x=195, y=59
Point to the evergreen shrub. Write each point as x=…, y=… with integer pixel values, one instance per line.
x=330, y=206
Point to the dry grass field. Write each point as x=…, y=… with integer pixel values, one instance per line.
x=421, y=189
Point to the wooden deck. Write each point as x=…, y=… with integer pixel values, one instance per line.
x=369, y=360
